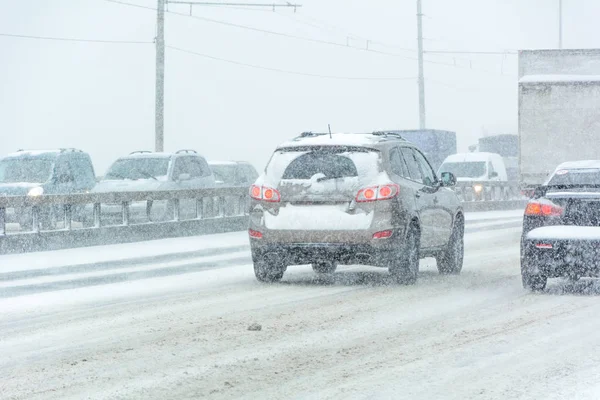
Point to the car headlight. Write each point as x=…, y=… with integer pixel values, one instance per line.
x=36, y=191
x=478, y=188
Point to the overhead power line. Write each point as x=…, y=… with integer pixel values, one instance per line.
x=307, y=39
x=307, y=74
x=66, y=39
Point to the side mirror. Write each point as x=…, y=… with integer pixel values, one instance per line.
x=448, y=179
x=493, y=174
x=184, y=177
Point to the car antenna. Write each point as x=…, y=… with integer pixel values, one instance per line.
x=329, y=126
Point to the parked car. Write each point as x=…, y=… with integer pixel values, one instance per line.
x=41, y=172
x=479, y=168
x=234, y=174
x=561, y=226
x=149, y=171
x=369, y=199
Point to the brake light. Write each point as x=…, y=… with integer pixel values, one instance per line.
x=254, y=234
x=382, y=235
x=382, y=192
x=543, y=209
x=543, y=245
x=265, y=193
x=255, y=192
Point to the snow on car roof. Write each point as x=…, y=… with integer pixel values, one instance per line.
x=559, y=78
x=336, y=139
x=223, y=163
x=469, y=157
x=581, y=164
x=147, y=155
x=33, y=153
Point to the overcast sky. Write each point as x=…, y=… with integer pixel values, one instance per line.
x=100, y=97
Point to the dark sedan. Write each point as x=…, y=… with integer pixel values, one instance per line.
x=561, y=226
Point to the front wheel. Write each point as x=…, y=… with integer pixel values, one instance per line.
x=450, y=260
x=269, y=269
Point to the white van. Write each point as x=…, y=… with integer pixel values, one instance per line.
x=477, y=167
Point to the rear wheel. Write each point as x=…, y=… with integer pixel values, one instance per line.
x=405, y=267
x=324, y=267
x=269, y=268
x=533, y=281
x=450, y=261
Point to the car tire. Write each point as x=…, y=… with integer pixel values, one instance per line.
x=534, y=282
x=324, y=267
x=405, y=267
x=269, y=269
x=450, y=261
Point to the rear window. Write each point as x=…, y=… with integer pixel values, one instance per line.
x=575, y=177
x=323, y=162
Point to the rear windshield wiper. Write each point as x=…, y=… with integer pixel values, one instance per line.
x=327, y=178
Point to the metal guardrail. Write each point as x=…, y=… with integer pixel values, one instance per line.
x=488, y=191
x=76, y=220
x=59, y=221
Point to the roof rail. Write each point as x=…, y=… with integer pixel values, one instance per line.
x=311, y=134
x=140, y=152
x=71, y=149
x=391, y=134
x=186, y=151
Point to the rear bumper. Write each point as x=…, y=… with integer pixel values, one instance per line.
x=377, y=253
x=560, y=257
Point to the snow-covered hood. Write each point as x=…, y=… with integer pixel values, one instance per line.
x=140, y=185
x=17, y=188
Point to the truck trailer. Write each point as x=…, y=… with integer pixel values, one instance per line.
x=559, y=110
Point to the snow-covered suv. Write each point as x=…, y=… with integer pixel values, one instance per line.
x=353, y=199
x=149, y=171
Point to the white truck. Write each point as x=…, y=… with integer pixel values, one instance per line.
x=559, y=110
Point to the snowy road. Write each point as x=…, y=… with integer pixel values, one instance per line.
x=178, y=329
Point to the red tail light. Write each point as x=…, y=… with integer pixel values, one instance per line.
x=254, y=234
x=265, y=193
x=382, y=235
x=543, y=209
x=382, y=192
x=544, y=246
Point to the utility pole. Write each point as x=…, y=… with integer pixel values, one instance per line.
x=422, y=123
x=560, y=24
x=159, y=114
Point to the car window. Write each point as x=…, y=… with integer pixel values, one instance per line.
x=195, y=168
x=328, y=164
x=181, y=166
x=575, y=177
x=429, y=177
x=30, y=170
x=62, y=168
x=203, y=165
x=414, y=171
x=251, y=173
x=83, y=172
x=138, y=168
x=397, y=163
